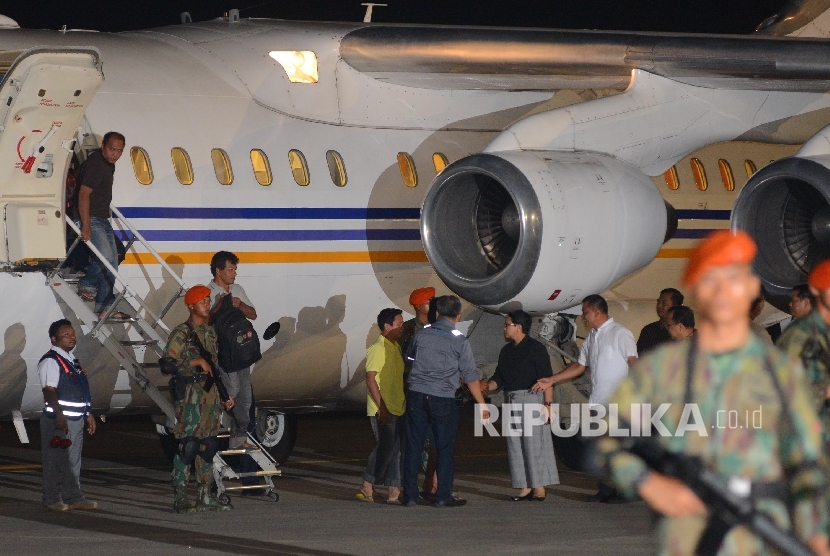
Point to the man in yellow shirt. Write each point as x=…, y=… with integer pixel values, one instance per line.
x=385, y=405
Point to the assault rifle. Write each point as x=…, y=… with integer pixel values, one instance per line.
x=728, y=507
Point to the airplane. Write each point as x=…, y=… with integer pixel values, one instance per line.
x=347, y=164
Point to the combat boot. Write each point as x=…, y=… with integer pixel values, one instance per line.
x=181, y=505
x=208, y=503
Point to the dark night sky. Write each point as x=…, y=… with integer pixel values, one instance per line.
x=703, y=16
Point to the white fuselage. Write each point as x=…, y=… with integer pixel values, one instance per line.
x=321, y=259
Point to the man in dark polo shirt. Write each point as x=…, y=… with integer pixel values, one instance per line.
x=95, y=178
x=656, y=333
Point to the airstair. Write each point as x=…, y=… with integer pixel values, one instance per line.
x=137, y=342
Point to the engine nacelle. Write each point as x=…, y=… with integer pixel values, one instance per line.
x=540, y=230
x=785, y=207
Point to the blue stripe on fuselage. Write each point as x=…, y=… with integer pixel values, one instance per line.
x=273, y=213
x=276, y=235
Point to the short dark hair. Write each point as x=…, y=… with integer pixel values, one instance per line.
x=448, y=306
x=682, y=315
x=676, y=297
x=57, y=325
x=112, y=135
x=802, y=292
x=220, y=259
x=522, y=319
x=758, y=300
x=387, y=316
x=597, y=302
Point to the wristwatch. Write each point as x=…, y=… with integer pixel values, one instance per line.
x=548, y=404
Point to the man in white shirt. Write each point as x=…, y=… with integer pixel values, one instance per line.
x=608, y=351
x=66, y=410
x=238, y=383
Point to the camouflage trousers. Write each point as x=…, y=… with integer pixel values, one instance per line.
x=204, y=471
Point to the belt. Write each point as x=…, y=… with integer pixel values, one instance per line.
x=192, y=379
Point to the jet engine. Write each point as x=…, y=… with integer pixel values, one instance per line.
x=785, y=207
x=541, y=230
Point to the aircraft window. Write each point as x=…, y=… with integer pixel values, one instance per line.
x=407, y=167
x=337, y=169
x=440, y=162
x=699, y=174
x=141, y=166
x=222, y=166
x=182, y=165
x=299, y=168
x=671, y=178
x=262, y=170
x=299, y=65
x=726, y=175
x=750, y=168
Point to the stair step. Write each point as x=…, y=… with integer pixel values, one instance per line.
x=138, y=342
x=238, y=451
x=116, y=320
x=260, y=474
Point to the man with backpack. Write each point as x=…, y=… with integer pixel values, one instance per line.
x=231, y=312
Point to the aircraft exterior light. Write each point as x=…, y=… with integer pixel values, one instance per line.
x=299, y=65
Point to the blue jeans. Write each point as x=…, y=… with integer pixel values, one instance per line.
x=426, y=412
x=98, y=280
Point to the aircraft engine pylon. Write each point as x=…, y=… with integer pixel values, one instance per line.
x=540, y=230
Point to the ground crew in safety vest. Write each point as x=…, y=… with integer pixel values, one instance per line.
x=742, y=407
x=199, y=411
x=808, y=338
x=66, y=410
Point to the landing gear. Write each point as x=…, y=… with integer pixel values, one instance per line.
x=277, y=432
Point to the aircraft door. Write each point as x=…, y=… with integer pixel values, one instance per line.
x=43, y=98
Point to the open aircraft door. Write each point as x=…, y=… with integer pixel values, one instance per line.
x=43, y=98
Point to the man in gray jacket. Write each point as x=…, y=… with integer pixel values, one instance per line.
x=440, y=357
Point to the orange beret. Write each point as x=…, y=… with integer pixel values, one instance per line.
x=196, y=294
x=820, y=276
x=421, y=295
x=720, y=248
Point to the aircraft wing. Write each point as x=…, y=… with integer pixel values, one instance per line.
x=515, y=59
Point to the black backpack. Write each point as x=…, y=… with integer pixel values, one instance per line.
x=238, y=341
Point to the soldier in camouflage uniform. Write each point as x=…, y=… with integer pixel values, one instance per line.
x=807, y=338
x=199, y=412
x=774, y=442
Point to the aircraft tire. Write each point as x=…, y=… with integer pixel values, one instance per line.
x=277, y=432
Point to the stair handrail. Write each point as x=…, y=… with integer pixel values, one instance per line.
x=147, y=245
x=119, y=278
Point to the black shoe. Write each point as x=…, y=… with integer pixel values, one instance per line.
x=598, y=497
x=409, y=503
x=615, y=499
x=538, y=498
x=451, y=503
x=528, y=497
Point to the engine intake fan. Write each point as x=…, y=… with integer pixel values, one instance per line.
x=785, y=207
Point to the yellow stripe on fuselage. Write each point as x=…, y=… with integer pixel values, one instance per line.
x=674, y=254
x=289, y=257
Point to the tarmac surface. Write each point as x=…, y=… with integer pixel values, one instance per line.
x=125, y=471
